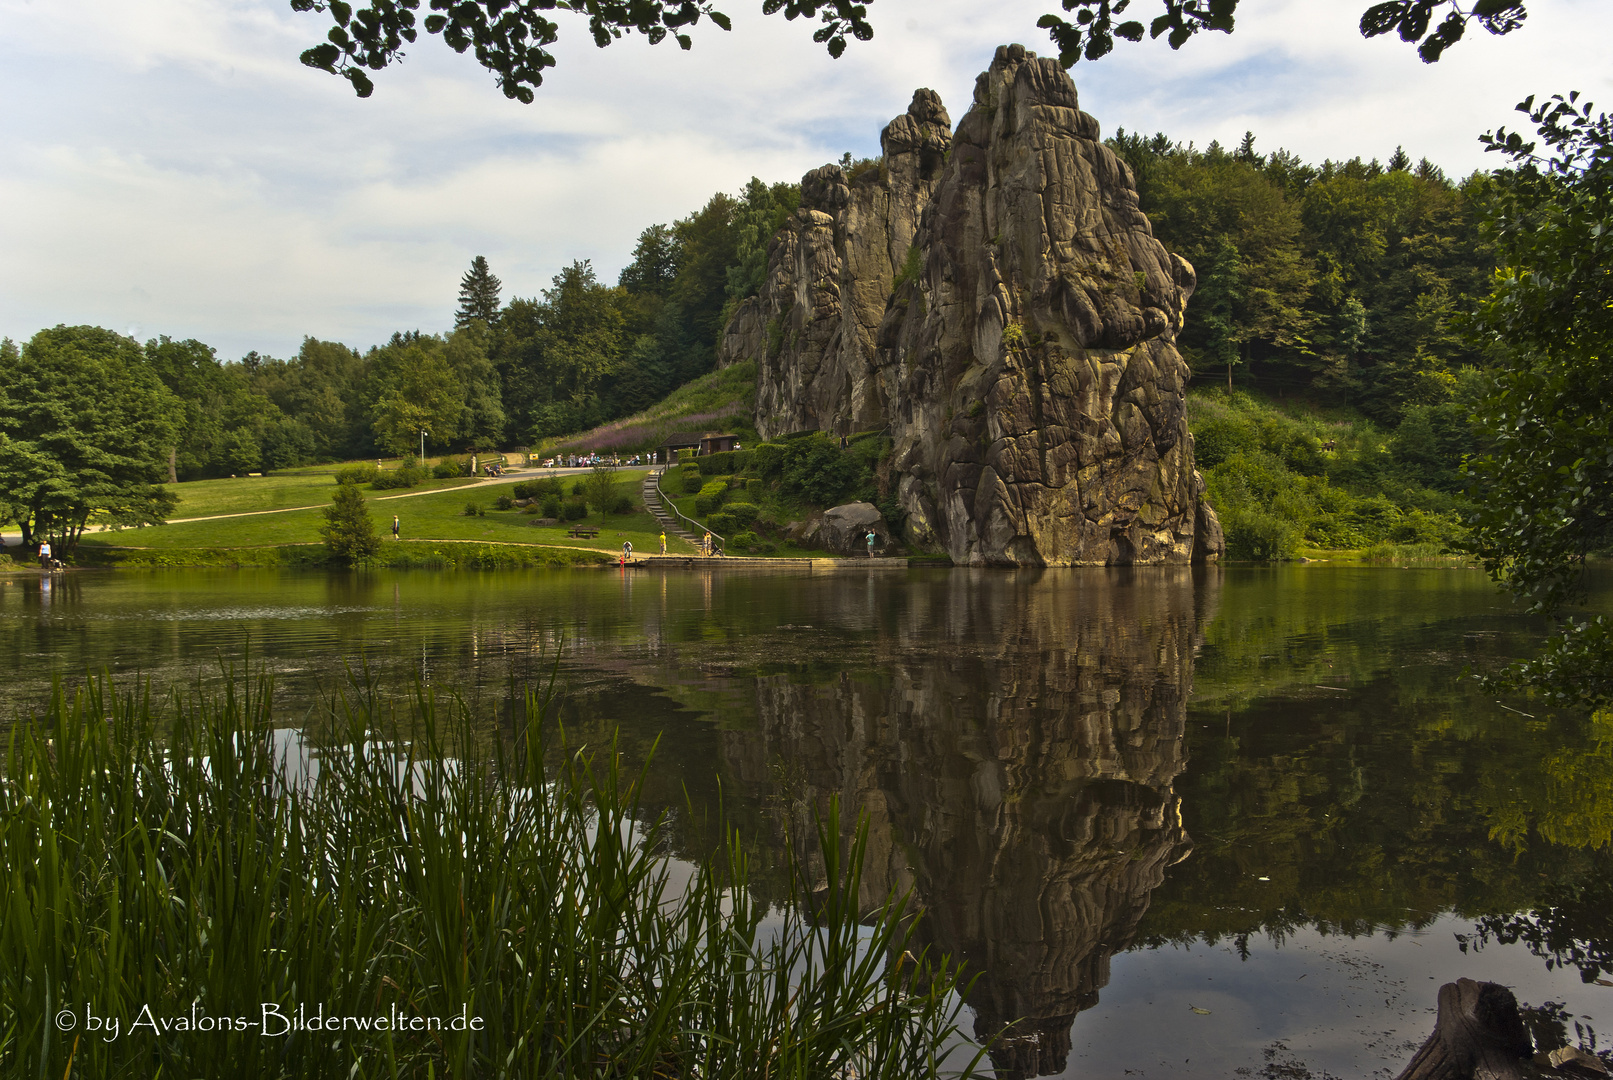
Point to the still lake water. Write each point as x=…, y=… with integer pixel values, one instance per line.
x=1191, y=823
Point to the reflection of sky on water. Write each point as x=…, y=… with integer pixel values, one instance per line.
x=1061, y=765
x=1351, y=1007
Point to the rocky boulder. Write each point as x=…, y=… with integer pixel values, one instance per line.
x=844, y=529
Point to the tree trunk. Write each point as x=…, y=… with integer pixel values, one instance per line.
x=1477, y=1036
x=173, y=461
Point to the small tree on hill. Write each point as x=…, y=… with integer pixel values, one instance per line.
x=348, y=531
x=478, y=294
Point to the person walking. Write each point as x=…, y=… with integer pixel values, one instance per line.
x=663, y=541
x=395, y=527
x=44, y=555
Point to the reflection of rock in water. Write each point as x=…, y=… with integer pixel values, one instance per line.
x=1015, y=753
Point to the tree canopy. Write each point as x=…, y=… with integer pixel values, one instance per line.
x=86, y=427
x=510, y=38
x=1548, y=479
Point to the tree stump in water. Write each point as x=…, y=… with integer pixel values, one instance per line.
x=1479, y=1035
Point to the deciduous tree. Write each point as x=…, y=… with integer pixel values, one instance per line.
x=85, y=430
x=1547, y=484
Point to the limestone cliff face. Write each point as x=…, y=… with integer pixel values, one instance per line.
x=1023, y=792
x=1022, y=355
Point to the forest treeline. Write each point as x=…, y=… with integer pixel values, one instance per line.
x=1343, y=281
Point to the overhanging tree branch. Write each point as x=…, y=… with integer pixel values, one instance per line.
x=511, y=37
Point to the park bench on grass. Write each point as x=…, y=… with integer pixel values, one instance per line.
x=583, y=532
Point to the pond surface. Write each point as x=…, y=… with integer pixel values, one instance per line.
x=1186, y=823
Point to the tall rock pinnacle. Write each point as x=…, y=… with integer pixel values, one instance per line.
x=1020, y=349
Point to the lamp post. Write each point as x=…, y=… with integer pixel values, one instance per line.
x=423, y=434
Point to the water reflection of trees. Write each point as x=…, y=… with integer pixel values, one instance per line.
x=1384, y=807
x=1015, y=748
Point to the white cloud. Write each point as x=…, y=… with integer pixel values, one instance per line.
x=170, y=166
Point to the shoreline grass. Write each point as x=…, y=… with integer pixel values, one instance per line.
x=184, y=863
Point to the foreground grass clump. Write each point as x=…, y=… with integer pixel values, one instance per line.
x=180, y=870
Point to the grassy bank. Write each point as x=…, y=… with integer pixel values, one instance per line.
x=439, y=515
x=502, y=908
x=309, y=486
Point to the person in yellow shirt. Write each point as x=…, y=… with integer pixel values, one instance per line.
x=663, y=541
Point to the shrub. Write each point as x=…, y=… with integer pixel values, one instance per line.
x=817, y=470
x=691, y=478
x=724, y=464
x=753, y=489
x=551, y=504
x=355, y=474
x=580, y=488
x=473, y=510
x=445, y=470
x=574, y=509
x=406, y=475
x=503, y=502
x=767, y=459
x=539, y=489
x=742, y=512
x=711, y=496
x=745, y=540
x=1257, y=535
x=620, y=502
x=722, y=522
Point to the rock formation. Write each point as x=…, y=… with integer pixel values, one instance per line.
x=1021, y=789
x=997, y=301
x=829, y=275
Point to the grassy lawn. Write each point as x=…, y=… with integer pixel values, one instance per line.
x=277, y=491
x=436, y=516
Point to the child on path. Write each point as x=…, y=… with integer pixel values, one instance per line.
x=663, y=541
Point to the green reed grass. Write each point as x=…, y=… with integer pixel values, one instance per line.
x=163, y=861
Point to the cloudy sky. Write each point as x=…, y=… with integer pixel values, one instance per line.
x=167, y=166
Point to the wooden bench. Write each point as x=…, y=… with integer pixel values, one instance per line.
x=583, y=532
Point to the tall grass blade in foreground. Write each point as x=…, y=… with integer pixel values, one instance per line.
x=182, y=897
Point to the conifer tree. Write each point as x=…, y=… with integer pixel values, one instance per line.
x=348, y=530
x=478, y=295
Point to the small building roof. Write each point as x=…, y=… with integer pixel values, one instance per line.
x=683, y=438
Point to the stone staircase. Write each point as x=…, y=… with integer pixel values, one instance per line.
x=668, y=520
